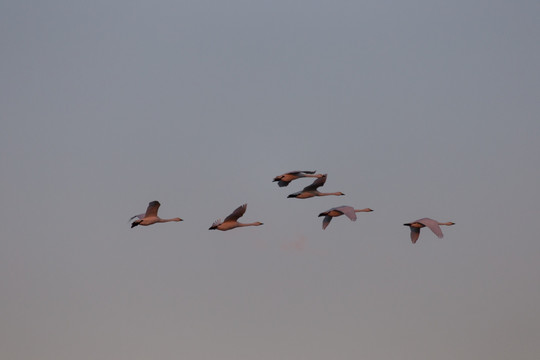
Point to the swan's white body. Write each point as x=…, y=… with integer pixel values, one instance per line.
x=231, y=221
x=349, y=211
x=285, y=179
x=150, y=217
x=311, y=190
x=433, y=225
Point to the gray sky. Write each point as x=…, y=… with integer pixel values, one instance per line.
x=414, y=109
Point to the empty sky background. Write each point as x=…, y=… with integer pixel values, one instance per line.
x=413, y=108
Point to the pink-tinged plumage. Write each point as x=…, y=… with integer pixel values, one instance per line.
x=231, y=221
x=151, y=216
x=433, y=225
x=285, y=179
x=349, y=211
x=311, y=190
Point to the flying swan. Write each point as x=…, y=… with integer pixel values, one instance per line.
x=150, y=217
x=285, y=179
x=231, y=221
x=433, y=225
x=311, y=190
x=349, y=211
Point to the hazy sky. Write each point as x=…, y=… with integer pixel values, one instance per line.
x=413, y=108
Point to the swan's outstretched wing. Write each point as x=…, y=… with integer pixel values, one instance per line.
x=236, y=214
x=348, y=211
x=152, y=209
x=432, y=225
x=297, y=172
x=140, y=217
x=317, y=183
x=282, y=183
x=326, y=221
x=415, y=233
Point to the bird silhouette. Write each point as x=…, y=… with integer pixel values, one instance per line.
x=150, y=217
x=433, y=225
x=231, y=221
x=311, y=190
x=285, y=179
x=349, y=211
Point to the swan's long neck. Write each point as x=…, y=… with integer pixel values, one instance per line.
x=449, y=223
x=332, y=193
x=257, y=223
x=363, y=210
x=168, y=220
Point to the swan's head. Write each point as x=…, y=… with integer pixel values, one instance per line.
x=292, y=195
x=323, y=214
x=258, y=223
x=369, y=210
x=178, y=219
x=341, y=194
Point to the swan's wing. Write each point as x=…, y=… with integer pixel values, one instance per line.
x=298, y=172
x=326, y=221
x=140, y=217
x=236, y=214
x=432, y=225
x=348, y=211
x=152, y=209
x=282, y=183
x=415, y=233
x=317, y=183
x=293, y=195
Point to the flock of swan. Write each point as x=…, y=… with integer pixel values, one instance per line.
x=151, y=217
